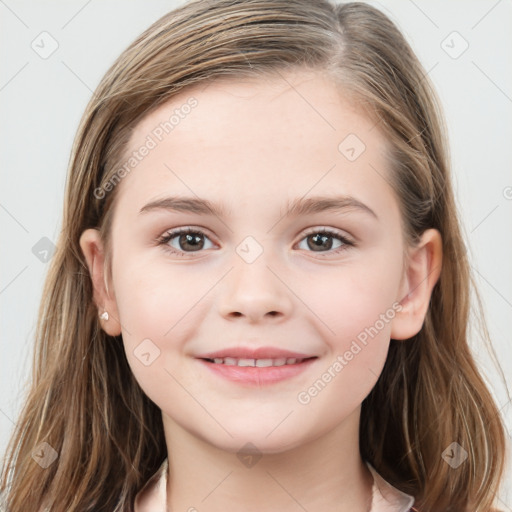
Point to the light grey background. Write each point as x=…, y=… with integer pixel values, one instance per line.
x=42, y=99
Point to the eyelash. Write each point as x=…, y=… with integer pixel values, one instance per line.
x=167, y=237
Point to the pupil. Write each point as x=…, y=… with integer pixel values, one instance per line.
x=193, y=240
x=320, y=239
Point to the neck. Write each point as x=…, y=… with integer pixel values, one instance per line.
x=325, y=474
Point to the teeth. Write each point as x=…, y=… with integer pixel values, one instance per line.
x=259, y=363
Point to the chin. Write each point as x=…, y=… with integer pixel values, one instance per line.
x=256, y=438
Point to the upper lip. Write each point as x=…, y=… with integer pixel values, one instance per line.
x=254, y=353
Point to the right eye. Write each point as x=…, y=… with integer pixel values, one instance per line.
x=185, y=240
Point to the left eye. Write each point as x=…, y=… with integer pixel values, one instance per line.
x=324, y=241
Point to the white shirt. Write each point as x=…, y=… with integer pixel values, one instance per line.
x=385, y=498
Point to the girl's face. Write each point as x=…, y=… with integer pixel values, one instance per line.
x=294, y=251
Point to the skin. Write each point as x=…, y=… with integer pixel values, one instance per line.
x=252, y=146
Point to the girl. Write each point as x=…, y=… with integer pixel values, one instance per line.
x=260, y=296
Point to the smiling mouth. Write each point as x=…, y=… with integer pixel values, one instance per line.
x=256, y=363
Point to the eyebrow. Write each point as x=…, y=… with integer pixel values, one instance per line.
x=297, y=207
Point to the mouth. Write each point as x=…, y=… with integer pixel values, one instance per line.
x=257, y=363
x=263, y=366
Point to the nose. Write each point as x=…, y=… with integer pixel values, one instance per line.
x=255, y=292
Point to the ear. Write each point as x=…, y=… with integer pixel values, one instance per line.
x=93, y=250
x=422, y=272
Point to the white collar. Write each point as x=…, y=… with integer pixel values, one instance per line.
x=385, y=497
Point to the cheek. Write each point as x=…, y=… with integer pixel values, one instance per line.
x=154, y=299
x=355, y=309
x=351, y=299
x=361, y=319
x=158, y=307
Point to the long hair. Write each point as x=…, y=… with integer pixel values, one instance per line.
x=84, y=401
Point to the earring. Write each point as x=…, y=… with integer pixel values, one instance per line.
x=104, y=315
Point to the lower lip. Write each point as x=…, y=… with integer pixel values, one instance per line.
x=258, y=376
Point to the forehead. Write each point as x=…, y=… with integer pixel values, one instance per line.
x=289, y=132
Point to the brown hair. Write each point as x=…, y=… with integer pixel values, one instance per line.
x=84, y=401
